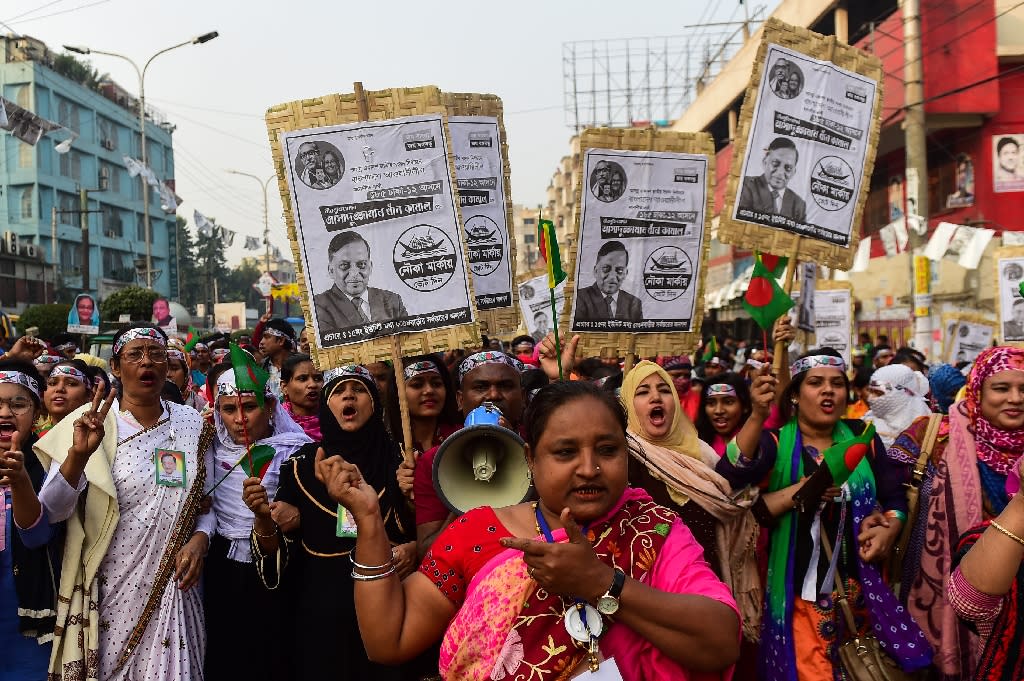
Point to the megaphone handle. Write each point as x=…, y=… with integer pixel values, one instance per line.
x=403, y=403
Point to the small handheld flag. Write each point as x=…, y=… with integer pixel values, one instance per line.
x=191, y=339
x=765, y=300
x=257, y=461
x=710, y=350
x=249, y=376
x=549, y=251
x=840, y=461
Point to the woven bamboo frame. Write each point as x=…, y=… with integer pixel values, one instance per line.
x=778, y=241
x=340, y=109
x=642, y=139
x=502, y=320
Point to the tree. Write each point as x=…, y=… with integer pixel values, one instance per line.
x=210, y=264
x=82, y=72
x=237, y=286
x=50, y=319
x=134, y=301
x=190, y=278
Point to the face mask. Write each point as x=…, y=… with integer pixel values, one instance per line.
x=682, y=385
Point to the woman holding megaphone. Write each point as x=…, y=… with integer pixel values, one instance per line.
x=531, y=589
x=311, y=562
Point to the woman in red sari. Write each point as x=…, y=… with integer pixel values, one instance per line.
x=523, y=590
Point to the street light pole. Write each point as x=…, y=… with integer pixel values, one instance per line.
x=264, y=185
x=141, y=73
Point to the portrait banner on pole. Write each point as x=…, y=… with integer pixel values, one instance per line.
x=637, y=261
x=968, y=333
x=1009, y=264
x=373, y=214
x=805, y=147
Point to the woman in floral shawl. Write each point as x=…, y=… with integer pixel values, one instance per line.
x=516, y=587
x=964, y=484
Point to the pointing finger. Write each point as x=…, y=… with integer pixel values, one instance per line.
x=15, y=442
x=107, y=404
x=527, y=546
x=97, y=397
x=572, y=530
x=318, y=464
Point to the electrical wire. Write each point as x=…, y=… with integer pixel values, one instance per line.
x=64, y=11
x=33, y=11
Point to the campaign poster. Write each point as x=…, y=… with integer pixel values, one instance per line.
x=805, y=310
x=807, y=148
x=479, y=175
x=968, y=340
x=1011, y=304
x=833, y=326
x=378, y=228
x=163, y=318
x=963, y=195
x=535, y=305
x=1007, y=169
x=640, y=241
x=84, y=316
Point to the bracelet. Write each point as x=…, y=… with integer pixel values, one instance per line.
x=898, y=515
x=389, y=564
x=1005, y=531
x=370, y=578
x=265, y=536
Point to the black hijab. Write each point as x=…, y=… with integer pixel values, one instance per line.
x=371, y=447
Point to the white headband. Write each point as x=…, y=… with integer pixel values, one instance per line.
x=24, y=380
x=226, y=387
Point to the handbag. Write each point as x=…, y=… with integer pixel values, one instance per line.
x=899, y=551
x=862, y=656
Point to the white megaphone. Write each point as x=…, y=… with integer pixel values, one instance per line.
x=482, y=465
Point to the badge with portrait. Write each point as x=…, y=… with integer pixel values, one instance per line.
x=170, y=467
x=346, y=526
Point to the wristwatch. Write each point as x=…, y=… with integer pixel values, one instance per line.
x=608, y=604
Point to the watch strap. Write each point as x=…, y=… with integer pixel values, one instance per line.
x=618, y=582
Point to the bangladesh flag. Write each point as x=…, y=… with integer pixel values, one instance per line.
x=710, y=350
x=845, y=456
x=765, y=300
x=774, y=263
x=192, y=339
x=256, y=462
x=840, y=461
x=249, y=376
x=549, y=251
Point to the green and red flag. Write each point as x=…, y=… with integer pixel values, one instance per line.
x=191, y=339
x=549, y=251
x=843, y=457
x=765, y=300
x=257, y=461
x=710, y=350
x=249, y=376
x=776, y=264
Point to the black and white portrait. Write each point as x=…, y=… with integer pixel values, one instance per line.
x=319, y=164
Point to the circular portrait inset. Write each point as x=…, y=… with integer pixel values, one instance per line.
x=319, y=164
x=1013, y=272
x=485, y=245
x=832, y=183
x=667, y=273
x=607, y=181
x=425, y=258
x=786, y=80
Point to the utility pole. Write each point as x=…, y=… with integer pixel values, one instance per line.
x=83, y=221
x=916, y=142
x=53, y=253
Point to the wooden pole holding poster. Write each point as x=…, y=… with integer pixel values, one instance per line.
x=396, y=340
x=780, y=347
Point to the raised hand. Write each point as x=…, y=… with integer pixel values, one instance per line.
x=346, y=486
x=566, y=569
x=27, y=348
x=783, y=330
x=12, y=464
x=762, y=390
x=548, y=355
x=89, y=430
x=254, y=494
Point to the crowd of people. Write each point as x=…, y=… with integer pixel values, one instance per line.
x=690, y=517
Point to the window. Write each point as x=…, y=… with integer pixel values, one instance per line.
x=70, y=258
x=140, y=228
x=67, y=114
x=28, y=202
x=67, y=209
x=109, y=179
x=529, y=221
x=71, y=165
x=26, y=155
x=529, y=238
x=112, y=225
x=107, y=134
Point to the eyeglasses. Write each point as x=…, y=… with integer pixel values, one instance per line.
x=17, y=405
x=135, y=355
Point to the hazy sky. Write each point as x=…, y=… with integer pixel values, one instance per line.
x=274, y=52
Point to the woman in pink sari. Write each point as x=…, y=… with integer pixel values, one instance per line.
x=525, y=592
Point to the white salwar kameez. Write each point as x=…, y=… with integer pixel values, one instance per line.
x=173, y=644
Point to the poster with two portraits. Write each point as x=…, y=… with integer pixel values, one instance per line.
x=804, y=149
x=378, y=224
x=642, y=241
x=1009, y=275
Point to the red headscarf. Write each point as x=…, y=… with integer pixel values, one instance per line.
x=996, y=447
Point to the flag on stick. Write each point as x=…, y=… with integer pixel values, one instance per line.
x=765, y=300
x=840, y=461
x=258, y=461
x=710, y=350
x=549, y=251
x=249, y=376
x=191, y=339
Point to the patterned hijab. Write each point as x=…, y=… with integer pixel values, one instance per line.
x=682, y=436
x=997, y=448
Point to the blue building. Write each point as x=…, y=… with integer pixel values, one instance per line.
x=35, y=180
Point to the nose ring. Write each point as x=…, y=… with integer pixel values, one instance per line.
x=598, y=469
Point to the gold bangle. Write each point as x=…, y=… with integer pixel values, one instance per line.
x=1005, y=531
x=265, y=536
